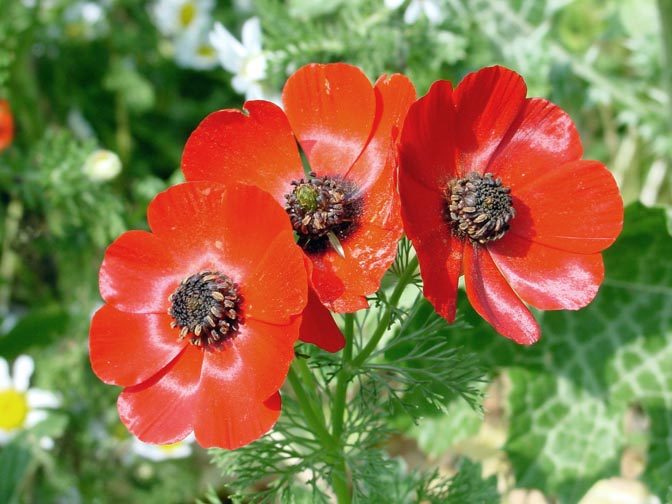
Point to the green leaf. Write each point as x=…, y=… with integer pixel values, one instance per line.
x=469, y=486
x=571, y=391
x=39, y=327
x=14, y=464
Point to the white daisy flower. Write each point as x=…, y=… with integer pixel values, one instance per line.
x=174, y=17
x=193, y=50
x=416, y=8
x=245, y=58
x=21, y=406
x=158, y=453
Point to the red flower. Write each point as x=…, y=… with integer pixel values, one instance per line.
x=6, y=125
x=202, y=315
x=492, y=185
x=346, y=129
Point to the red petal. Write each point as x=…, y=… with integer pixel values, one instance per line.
x=128, y=348
x=542, y=139
x=252, y=419
x=394, y=95
x=487, y=103
x=439, y=253
x=162, y=409
x=319, y=327
x=139, y=273
x=494, y=300
x=277, y=290
x=426, y=148
x=422, y=207
x=547, y=278
x=6, y=125
x=257, y=148
x=440, y=259
x=237, y=380
x=576, y=207
x=343, y=284
x=331, y=109
x=228, y=228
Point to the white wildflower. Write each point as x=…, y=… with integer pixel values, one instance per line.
x=21, y=407
x=174, y=17
x=157, y=453
x=416, y=8
x=245, y=58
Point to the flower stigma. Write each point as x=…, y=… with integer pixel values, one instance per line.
x=322, y=211
x=479, y=208
x=206, y=307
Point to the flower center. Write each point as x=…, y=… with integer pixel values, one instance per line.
x=13, y=409
x=206, y=307
x=187, y=14
x=319, y=207
x=479, y=207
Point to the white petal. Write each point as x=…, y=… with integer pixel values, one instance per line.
x=240, y=84
x=412, y=13
x=5, y=379
x=393, y=4
x=5, y=436
x=38, y=398
x=255, y=68
x=254, y=92
x=46, y=443
x=251, y=35
x=23, y=370
x=229, y=51
x=34, y=417
x=433, y=12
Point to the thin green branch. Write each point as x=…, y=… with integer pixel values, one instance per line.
x=665, y=10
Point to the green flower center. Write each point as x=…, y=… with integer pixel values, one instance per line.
x=206, y=308
x=479, y=208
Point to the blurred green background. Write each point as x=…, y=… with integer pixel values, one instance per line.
x=117, y=75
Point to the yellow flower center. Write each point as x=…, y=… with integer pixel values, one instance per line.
x=169, y=448
x=187, y=14
x=205, y=51
x=13, y=409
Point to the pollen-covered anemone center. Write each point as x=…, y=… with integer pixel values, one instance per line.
x=206, y=308
x=479, y=207
x=318, y=207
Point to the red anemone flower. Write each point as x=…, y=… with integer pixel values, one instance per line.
x=6, y=125
x=492, y=185
x=202, y=315
x=345, y=210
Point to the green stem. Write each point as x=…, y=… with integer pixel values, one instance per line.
x=665, y=10
x=405, y=278
x=8, y=257
x=343, y=379
x=333, y=449
x=313, y=420
x=311, y=388
x=348, y=367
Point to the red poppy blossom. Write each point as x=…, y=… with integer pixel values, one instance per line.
x=493, y=186
x=347, y=129
x=202, y=315
x=6, y=125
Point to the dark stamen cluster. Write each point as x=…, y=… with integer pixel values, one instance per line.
x=320, y=206
x=479, y=207
x=206, y=308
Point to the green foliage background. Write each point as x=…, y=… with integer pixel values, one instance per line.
x=599, y=384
